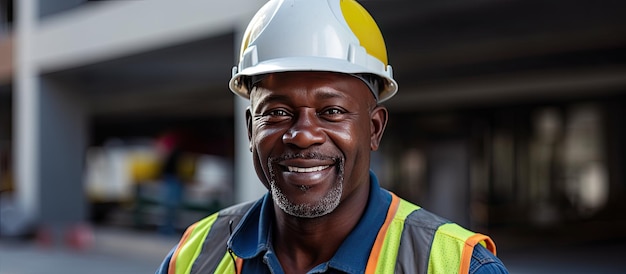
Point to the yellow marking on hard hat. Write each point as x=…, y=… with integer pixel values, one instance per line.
x=365, y=29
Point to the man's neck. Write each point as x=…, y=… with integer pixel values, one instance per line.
x=303, y=243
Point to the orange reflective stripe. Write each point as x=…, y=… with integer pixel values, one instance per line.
x=490, y=245
x=468, y=249
x=372, y=262
x=239, y=265
x=172, y=267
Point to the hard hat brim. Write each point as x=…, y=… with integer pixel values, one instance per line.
x=238, y=86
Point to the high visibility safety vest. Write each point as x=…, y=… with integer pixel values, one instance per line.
x=411, y=240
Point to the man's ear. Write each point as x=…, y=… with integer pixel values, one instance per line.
x=249, y=126
x=378, y=123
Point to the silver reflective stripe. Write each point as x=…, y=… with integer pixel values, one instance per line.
x=417, y=238
x=214, y=245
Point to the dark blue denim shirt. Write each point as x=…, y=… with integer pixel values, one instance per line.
x=252, y=241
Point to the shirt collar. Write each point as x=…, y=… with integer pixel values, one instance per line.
x=252, y=236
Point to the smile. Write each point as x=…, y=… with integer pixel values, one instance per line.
x=306, y=169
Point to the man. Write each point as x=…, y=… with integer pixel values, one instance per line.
x=315, y=72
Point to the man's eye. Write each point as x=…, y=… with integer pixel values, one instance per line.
x=278, y=112
x=332, y=111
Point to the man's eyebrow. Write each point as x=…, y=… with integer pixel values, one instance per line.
x=264, y=99
x=331, y=94
x=282, y=98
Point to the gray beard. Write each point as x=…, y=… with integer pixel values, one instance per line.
x=326, y=205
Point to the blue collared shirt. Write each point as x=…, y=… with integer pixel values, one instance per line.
x=252, y=238
x=252, y=241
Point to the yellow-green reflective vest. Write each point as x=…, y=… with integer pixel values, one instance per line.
x=411, y=240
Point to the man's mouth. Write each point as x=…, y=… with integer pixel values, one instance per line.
x=306, y=169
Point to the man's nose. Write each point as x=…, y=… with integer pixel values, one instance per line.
x=305, y=130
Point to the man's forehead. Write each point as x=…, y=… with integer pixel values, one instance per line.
x=326, y=84
x=279, y=93
x=305, y=75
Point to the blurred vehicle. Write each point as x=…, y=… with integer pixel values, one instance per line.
x=122, y=185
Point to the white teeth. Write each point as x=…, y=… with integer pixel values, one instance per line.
x=306, y=169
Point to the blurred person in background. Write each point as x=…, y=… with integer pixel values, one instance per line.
x=171, y=181
x=315, y=73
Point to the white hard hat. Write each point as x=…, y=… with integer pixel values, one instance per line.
x=314, y=35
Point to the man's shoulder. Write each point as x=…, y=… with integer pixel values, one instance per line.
x=420, y=227
x=237, y=209
x=485, y=262
x=231, y=213
x=422, y=218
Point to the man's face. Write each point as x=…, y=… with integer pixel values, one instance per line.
x=311, y=134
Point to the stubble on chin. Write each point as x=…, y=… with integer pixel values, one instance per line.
x=325, y=205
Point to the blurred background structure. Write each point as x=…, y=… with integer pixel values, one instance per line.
x=510, y=119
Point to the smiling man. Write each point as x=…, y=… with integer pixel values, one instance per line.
x=311, y=134
x=315, y=72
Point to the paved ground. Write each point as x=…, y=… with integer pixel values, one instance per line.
x=122, y=251
x=115, y=250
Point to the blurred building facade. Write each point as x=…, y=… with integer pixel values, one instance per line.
x=510, y=115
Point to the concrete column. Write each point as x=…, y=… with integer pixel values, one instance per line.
x=62, y=142
x=49, y=140
x=247, y=184
x=25, y=120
